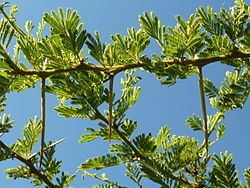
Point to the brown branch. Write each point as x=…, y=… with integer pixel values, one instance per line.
x=201, y=62
x=27, y=162
x=203, y=106
x=119, y=68
x=43, y=117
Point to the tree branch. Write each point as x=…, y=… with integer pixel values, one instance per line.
x=27, y=162
x=119, y=68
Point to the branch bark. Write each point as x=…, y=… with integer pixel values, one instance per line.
x=201, y=62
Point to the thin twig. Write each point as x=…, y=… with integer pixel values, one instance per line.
x=203, y=106
x=43, y=118
x=111, y=88
x=27, y=162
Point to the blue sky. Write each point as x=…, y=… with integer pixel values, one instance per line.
x=158, y=105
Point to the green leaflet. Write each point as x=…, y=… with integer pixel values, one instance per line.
x=220, y=131
x=124, y=50
x=131, y=46
x=20, y=83
x=51, y=166
x=163, y=138
x=232, y=23
x=247, y=176
x=168, y=75
x=129, y=96
x=6, y=33
x=195, y=123
x=2, y=104
x=19, y=172
x=233, y=93
x=96, y=47
x=134, y=173
x=210, y=20
x=65, y=179
x=66, y=24
x=103, y=133
x=100, y=162
x=145, y=144
x=153, y=27
x=209, y=88
x=223, y=173
x=127, y=128
x=6, y=124
x=218, y=45
x=84, y=90
x=31, y=133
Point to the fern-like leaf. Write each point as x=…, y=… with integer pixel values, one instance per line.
x=223, y=173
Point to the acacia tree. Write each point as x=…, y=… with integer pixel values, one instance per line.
x=56, y=61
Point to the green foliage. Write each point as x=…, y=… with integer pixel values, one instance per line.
x=130, y=47
x=19, y=172
x=247, y=176
x=96, y=47
x=84, y=90
x=231, y=23
x=31, y=133
x=210, y=21
x=153, y=27
x=6, y=124
x=6, y=33
x=103, y=132
x=233, y=93
x=50, y=164
x=129, y=96
x=2, y=104
x=162, y=138
x=66, y=24
x=195, y=123
x=124, y=50
x=134, y=173
x=166, y=159
x=145, y=144
x=168, y=74
x=223, y=173
x=100, y=162
x=65, y=179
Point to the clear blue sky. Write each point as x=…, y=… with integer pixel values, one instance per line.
x=157, y=105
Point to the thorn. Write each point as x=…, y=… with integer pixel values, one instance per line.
x=49, y=146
